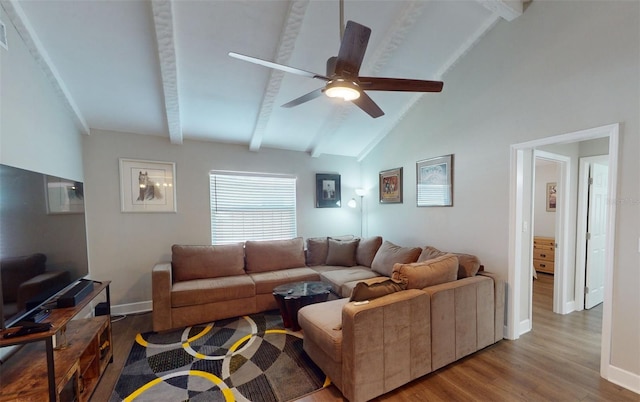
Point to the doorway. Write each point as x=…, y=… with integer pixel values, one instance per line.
x=520, y=236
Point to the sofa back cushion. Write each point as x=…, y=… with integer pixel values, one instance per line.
x=468, y=265
x=317, y=248
x=367, y=249
x=273, y=255
x=342, y=252
x=419, y=275
x=202, y=262
x=389, y=254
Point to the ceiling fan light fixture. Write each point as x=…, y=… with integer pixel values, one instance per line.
x=344, y=89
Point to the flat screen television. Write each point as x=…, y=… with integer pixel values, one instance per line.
x=43, y=240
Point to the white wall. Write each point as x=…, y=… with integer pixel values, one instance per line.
x=37, y=132
x=544, y=221
x=125, y=246
x=559, y=68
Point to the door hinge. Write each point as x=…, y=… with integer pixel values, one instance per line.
x=586, y=289
x=590, y=181
x=588, y=236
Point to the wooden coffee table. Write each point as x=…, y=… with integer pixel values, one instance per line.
x=291, y=297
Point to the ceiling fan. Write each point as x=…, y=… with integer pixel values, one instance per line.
x=342, y=79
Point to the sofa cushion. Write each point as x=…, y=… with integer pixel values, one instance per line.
x=317, y=248
x=272, y=255
x=367, y=249
x=322, y=323
x=266, y=281
x=201, y=262
x=373, y=288
x=342, y=252
x=338, y=277
x=468, y=265
x=419, y=275
x=389, y=254
x=203, y=291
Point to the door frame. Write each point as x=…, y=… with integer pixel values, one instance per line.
x=517, y=226
x=583, y=210
x=561, y=302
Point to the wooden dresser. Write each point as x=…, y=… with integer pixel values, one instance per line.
x=544, y=251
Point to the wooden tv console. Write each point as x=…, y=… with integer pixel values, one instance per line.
x=72, y=371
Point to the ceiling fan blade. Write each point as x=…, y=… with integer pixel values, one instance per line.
x=277, y=66
x=367, y=104
x=352, y=49
x=304, y=98
x=399, y=84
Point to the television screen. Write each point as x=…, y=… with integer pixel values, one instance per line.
x=43, y=240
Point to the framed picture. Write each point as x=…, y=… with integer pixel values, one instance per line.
x=551, y=197
x=390, y=189
x=147, y=186
x=64, y=196
x=327, y=190
x=435, y=182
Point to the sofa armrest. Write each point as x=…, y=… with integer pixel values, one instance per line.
x=161, y=283
x=499, y=292
x=385, y=343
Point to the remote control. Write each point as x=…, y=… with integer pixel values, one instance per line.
x=27, y=330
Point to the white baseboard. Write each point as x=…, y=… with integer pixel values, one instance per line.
x=132, y=308
x=624, y=379
x=525, y=326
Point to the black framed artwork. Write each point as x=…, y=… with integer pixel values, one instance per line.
x=328, y=190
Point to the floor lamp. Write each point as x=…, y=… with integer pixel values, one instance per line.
x=361, y=192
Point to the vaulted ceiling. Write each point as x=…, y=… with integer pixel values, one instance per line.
x=162, y=67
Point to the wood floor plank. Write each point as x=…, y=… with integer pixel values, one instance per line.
x=558, y=360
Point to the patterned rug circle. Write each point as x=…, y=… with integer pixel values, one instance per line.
x=250, y=358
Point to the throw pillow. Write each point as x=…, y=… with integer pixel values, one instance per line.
x=468, y=265
x=367, y=249
x=317, y=248
x=342, y=252
x=389, y=254
x=420, y=275
x=375, y=287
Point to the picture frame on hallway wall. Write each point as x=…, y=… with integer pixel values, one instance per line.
x=434, y=187
x=328, y=190
x=147, y=186
x=390, y=186
x=551, y=197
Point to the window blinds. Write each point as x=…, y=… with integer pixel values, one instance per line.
x=252, y=206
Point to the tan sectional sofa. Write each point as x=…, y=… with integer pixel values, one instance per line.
x=402, y=312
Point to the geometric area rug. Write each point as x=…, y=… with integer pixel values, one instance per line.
x=249, y=358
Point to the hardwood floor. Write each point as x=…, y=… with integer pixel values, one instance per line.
x=558, y=360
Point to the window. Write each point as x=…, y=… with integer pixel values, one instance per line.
x=252, y=206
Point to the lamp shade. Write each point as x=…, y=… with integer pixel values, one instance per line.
x=352, y=203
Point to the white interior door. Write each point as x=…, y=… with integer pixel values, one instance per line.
x=596, y=234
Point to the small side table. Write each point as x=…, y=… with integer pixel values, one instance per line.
x=291, y=297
